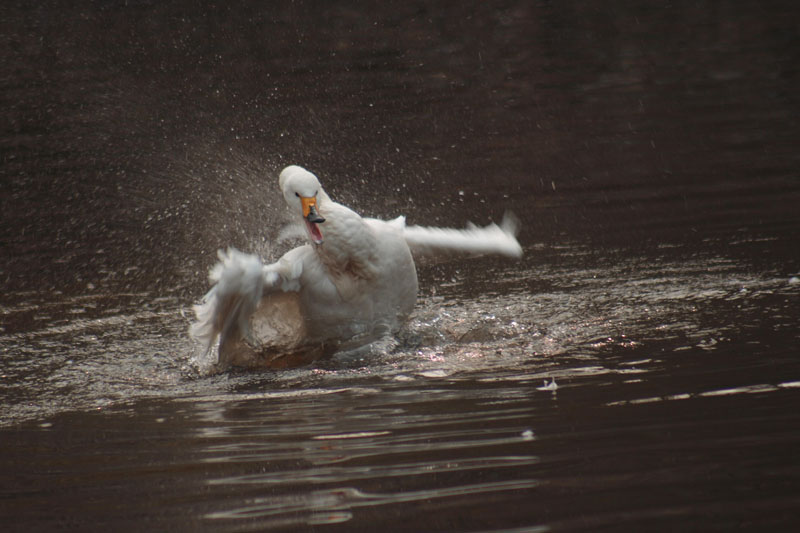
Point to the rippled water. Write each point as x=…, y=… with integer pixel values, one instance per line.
x=636, y=370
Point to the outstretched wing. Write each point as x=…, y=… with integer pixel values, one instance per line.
x=239, y=282
x=492, y=239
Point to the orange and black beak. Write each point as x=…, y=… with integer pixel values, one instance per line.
x=310, y=210
x=312, y=218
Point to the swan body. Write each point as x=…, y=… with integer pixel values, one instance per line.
x=354, y=282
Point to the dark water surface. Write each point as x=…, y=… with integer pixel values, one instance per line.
x=650, y=150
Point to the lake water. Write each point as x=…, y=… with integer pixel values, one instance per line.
x=638, y=369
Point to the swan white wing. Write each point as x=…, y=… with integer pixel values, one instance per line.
x=492, y=239
x=240, y=281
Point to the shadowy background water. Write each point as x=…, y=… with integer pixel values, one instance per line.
x=650, y=150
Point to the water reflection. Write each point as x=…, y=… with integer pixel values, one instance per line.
x=341, y=449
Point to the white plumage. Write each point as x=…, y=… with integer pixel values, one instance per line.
x=353, y=283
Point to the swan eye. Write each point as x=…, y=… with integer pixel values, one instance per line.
x=297, y=194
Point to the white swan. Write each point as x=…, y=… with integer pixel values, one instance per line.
x=354, y=283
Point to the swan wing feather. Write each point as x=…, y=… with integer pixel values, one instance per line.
x=492, y=239
x=240, y=280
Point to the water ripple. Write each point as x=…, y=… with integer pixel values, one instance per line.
x=328, y=452
x=341, y=474
x=306, y=508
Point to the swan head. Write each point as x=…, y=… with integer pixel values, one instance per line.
x=301, y=190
